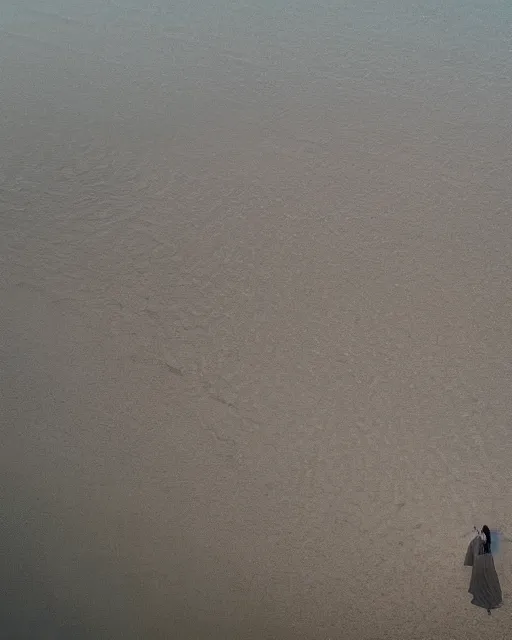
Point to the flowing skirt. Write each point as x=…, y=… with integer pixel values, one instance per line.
x=485, y=585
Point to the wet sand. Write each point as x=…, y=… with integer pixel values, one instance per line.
x=255, y=271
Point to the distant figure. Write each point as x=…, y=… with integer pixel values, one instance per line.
x=484, y=585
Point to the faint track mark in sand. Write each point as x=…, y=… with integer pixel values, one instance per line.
x=174, y=370
x=207, y=388
x=235, y=409
x=222, y=400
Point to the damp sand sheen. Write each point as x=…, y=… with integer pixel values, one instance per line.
x=255, y=272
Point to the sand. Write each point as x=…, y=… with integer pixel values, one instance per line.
x=255, y=272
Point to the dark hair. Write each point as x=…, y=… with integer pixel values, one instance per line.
x=487, y=543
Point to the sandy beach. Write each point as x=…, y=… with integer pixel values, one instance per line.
x=255, y=331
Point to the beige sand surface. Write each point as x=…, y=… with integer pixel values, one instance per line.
x=256, y=284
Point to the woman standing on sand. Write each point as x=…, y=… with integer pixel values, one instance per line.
x=484, y=585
